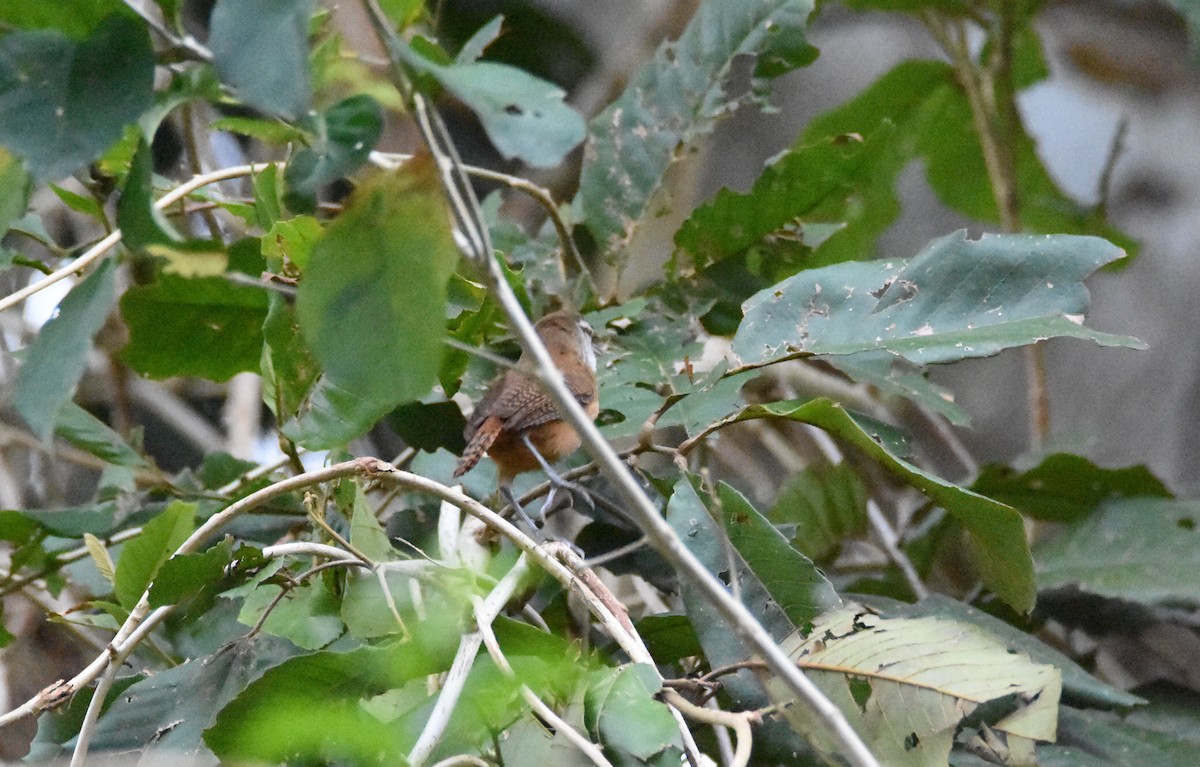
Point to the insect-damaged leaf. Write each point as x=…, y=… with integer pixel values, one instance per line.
x=958, y=298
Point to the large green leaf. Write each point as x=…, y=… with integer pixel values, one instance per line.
x=57, y=357
x=996, y=530
x=933, y=124
x=63, y=102
x=791, y=579
x=142, y=557
x=171, y=709
x=312, y=705
x=525, y=117
x=958, y=298
x=695, y=526
x=271, y=77
x=76, y=18
x=676, y=99
x=288, y=367
x=1144, y=550
x=623, y=715
x=806, y=184
x=820, y=508
x=343, y=137
x=1065, y=487
x=906, y=683
x=206, y=327
x=1160, y=734
x=372, y=301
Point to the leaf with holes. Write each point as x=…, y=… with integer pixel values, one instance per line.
x=677, y=99
x=957, y=299
x=525, y=117
x=906, y=684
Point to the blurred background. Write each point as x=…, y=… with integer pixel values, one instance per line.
x=1119, y=117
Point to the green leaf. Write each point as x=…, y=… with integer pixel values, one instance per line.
x=206, y=327
x=933, y=124
x=168, y=711
x=365, y=609
x=57, y=357
x=1065, y=487
x=308, y=616
x=473, y=48
x=142, y=556
x=1143, y=550
x=344, y=136
x=1078, y=685
x=100, y=519
x=905, y=684
x=789, y=577
x=365, y=531
x=524, y=117
x=820, y=508
x=288, y=367
x=271, y=77
x=15, y=188
x=267, y=131
x=63, y=102
x=372, y=301
x=186, y=576
x=687, y=515
x=806, y=184
x=144, y=228
x=75, y=18
x=676, y=99
x=958, y=298
x=1162, y=734
x=79, y=203
x=87, y=432
x=669, y=638
x=312, y=705
x=623, y=715
x=996, y=530
x=292, y=239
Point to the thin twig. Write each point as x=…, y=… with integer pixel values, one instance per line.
x=468, y=649
x=739, y=723
x=659, y=533
x=539, y=707
x=1115, y=149
x=108, y=243
x=539, y=194
x=141, y=620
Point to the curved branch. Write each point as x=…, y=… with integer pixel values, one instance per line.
x=142, y=621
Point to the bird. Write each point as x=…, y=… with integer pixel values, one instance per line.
x=516, y=423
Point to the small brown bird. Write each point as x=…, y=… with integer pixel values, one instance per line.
x=515, y=417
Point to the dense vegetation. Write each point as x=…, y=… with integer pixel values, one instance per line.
x=339, y=604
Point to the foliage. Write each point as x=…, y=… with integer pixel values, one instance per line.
x=270, y=610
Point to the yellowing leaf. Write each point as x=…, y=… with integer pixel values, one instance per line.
x=100, y=556
x=906, y=684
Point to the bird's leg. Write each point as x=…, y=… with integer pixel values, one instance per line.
x=556, y=482
x=506, y=492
